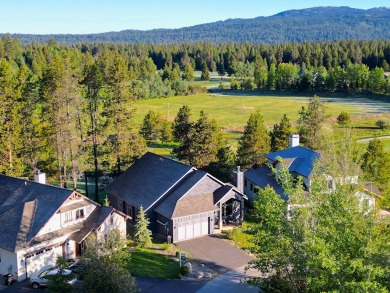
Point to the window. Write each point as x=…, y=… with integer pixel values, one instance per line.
x=112, y=219
x=80, y=214
x=251, y=187
x=68, y=216
x=256, y=190
x=129, y=211
x=246, y=183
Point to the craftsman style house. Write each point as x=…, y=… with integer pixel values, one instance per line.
x=181, y=202
x=40, y=222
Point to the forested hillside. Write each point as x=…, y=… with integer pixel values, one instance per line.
x=313, y=24
x=66, y=109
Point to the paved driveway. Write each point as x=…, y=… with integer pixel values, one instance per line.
x=216, y=253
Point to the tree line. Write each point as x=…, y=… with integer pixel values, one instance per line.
x=68, y=109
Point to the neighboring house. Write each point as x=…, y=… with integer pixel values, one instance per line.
x=180, y=201
x=38, y=222
x=300, y=162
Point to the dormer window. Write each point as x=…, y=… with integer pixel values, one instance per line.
x=79, y=214
x=74, y=215
x=68, y=216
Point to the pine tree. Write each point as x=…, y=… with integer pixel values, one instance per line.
x=310, y=123
x=254, y=143
x=152, y=125
x=182, y=124
x=280, y=135
x=188, y=73
x=205, y=76
x=142, y=235
x=121, y=125
x=205, y=142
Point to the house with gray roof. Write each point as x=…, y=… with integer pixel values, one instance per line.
x=180, y=201
x=38, y=222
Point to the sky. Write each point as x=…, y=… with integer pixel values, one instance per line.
x=95, y=16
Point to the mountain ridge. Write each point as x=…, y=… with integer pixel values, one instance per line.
x=323, y=23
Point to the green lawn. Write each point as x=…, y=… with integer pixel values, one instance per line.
x=232, y=112
x=149, y=263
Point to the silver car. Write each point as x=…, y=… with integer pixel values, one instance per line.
x=42, y=281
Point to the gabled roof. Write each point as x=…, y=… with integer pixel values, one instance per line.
x=25, y=207
x=147, y=180
x=94, y=221
x=299, y=159
x=194, y=194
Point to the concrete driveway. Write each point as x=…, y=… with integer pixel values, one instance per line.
x=216, y=253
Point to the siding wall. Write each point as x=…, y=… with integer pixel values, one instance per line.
x=8, y=261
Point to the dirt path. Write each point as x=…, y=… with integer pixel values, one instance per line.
x=367, y=139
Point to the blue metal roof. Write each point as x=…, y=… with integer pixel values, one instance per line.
x=303, y=162
x=262, y=177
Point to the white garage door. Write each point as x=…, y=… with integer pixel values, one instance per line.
x=197, y=232
x=205, y=227
x=189, y=231
x=193, y=230
x=42, y=260
x=181, y=233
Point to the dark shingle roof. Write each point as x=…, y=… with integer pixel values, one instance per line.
x=262, y=177
x=190, y=205
x=167, y=206
x=95, y=220
x=25, y=207
x=147, y=180
x=299, y=159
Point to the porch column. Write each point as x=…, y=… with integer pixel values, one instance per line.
x=241, y=210
x=220, y=216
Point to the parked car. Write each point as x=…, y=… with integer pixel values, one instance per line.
x=42, y=279
x=78, y=268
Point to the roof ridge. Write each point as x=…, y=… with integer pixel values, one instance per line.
x=191, y=170
x=36, y=183
x=175, y=161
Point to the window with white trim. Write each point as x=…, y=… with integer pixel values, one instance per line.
x=79, y=214
x=68, y=216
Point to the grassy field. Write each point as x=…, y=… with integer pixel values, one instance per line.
x=232, y=111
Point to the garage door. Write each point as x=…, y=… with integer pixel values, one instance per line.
x=192, y=230
x=181, y=233
x=197, y=228
x=205, y=227
x=42, y=260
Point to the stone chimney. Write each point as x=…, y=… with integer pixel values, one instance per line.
x=238, y=179
x=40, y=177
x=294, y=140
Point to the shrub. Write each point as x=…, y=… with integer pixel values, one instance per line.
x=196, y=89
x=165, y=246
x=382, y=124
x=344, y=118
x=183, y=271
